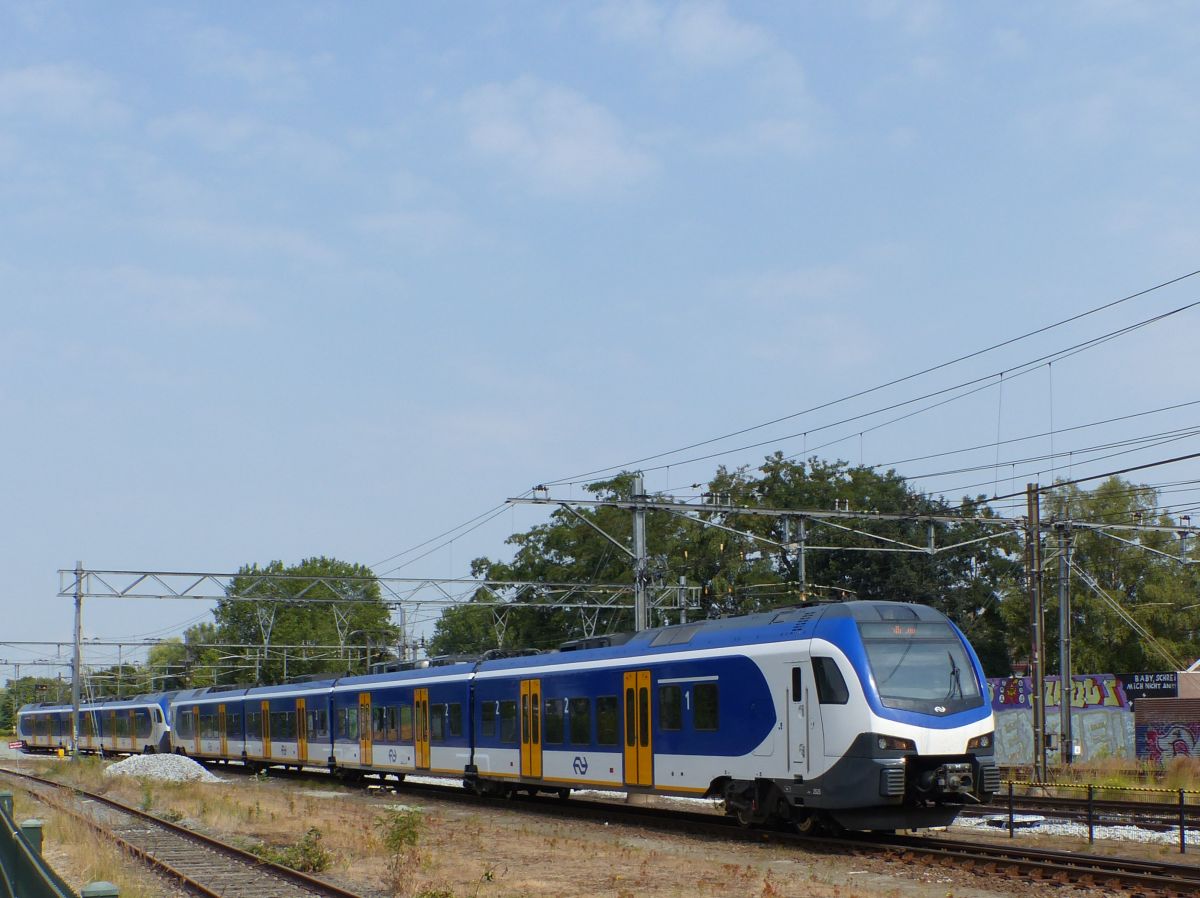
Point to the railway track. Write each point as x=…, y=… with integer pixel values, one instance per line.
x=1112, y=875
x=201, y=864
x=1101, y=812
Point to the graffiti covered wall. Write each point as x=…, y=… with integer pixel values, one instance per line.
x=1167, y=728
x=1101, y=718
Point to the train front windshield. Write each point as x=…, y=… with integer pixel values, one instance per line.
x=921, y=667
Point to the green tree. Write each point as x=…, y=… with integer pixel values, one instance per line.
x=27, y=690
x=320, y=601
x=1134, y=570
x=737, y=561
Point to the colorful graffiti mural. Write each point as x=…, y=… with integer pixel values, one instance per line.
x=1101, y=718
x=1162, y=743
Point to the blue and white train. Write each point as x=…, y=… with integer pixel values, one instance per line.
x=115, y=726
x=859, y=715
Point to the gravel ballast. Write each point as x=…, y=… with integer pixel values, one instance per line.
x=168, y=768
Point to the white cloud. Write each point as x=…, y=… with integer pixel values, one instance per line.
x=248, y=238
x=1010, y=43
x=60, y=94
x=1104, y=108
x=916, y=17
x=701, y=35
x=422, y=230
x=789, y=136
x=268, y=74
x=553, y=137
x=704, y=39
x=249, y=138
x=179, y=299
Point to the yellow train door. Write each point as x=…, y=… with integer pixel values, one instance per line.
x=266, y=729
x=364, y=728
x=639, y=760
x=301, y=732
x=221, y=730
x=531, y=728
x=421, y=727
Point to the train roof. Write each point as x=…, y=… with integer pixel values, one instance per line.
x=775, y=625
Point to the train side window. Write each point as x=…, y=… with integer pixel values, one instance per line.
x=406, y=723
x=487, y=719
x=233, y=724
x=606, y=720
x=630, y=717
x=643, y=716
x=553, y=721
x=283, y=725
x=580, y=715
x=253, y=724
x=831, y=687
x=454, y=719
x=508, y=721
x=670, y=707
x=437, y=722
x=378, y=723
x=706, y=712
x=797, y=685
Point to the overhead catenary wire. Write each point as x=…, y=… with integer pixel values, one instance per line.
x=969, y=387
x=577, y=478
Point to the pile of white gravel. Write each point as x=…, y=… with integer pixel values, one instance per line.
x=169, y=768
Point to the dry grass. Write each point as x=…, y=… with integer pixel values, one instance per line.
x=462, y=852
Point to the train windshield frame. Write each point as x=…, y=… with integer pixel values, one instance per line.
x=920, y=666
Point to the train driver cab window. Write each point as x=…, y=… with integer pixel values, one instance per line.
x=670, y=707
x=831, y=688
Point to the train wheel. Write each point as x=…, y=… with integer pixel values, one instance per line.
x=807, y=825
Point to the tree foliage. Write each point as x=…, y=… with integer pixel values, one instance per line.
x=318, y=602
x=1137, y=571
x=738, y=561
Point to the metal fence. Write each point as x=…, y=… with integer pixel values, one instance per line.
x=23, y=871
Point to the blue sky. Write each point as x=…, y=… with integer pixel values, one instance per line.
x=281, y=280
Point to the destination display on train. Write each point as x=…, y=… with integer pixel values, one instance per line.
x=905, y=630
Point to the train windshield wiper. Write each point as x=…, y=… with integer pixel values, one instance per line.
x=955, y=681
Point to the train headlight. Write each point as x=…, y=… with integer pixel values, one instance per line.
x=984, y=741
x=894, y=743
